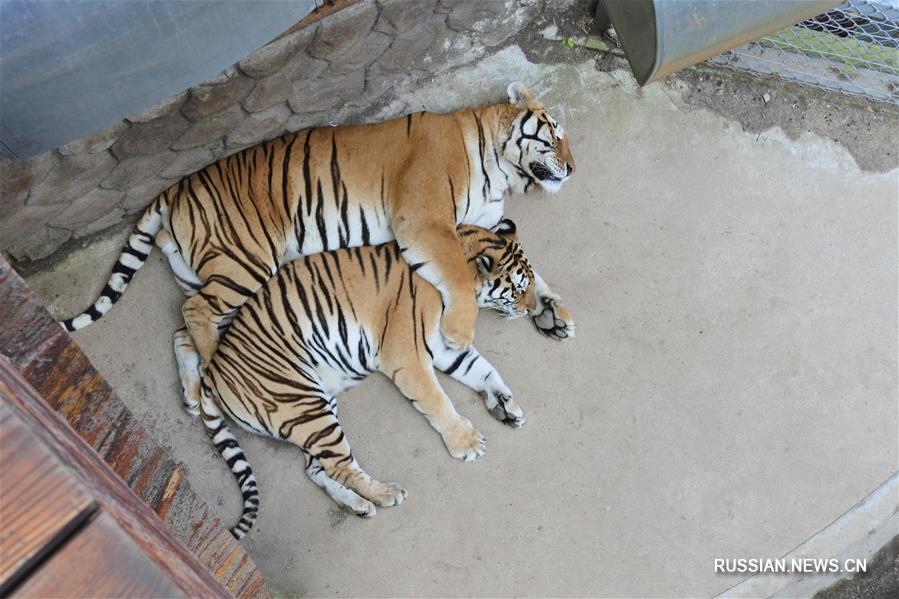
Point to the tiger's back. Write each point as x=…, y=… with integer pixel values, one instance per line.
x=314, y=190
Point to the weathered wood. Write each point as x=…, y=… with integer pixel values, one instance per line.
x=117, y=501
x=99, y=561
x=55, y=366
x=41, y=503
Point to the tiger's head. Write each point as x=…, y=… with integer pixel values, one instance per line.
x=537, y=146
x=505, y=279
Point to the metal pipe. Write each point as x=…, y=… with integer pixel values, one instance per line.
x=661, y=37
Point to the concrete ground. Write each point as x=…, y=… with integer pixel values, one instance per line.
x=731, y=389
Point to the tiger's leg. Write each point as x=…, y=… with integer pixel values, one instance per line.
x=202, y=314
x=470, y=368
x=315, y=429
x=433, y=249
x=188, y=370
x=550, y=317
x=215, y=304
x=418, y=383
x=185, y=276
x=342, y=496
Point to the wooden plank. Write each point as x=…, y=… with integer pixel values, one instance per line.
x=41, y=503
x=117, y=501
x=58, y=370
x=99, y=561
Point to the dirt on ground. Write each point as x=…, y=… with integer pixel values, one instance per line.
x=881, y=580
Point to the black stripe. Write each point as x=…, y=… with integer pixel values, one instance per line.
x=457, y=362
x=320, y=215
x=485, y=190
x=136, y=253
x=470, y=364
x=364, y=222
x=111, y=293
x=453, y=197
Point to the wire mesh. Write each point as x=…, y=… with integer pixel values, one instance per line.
x=853, y=49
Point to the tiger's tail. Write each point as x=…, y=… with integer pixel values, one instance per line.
x=131, y=259
x=227, y=445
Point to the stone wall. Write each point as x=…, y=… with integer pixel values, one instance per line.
x=331, y=69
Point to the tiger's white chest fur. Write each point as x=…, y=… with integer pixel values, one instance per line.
x=334, y=382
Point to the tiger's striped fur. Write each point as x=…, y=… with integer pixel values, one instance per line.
x=227, y=228
x=321, y=325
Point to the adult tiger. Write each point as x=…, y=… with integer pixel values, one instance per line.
x=227, y=228
x=321, y=325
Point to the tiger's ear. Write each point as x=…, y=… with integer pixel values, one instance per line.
x=506, y=228
x=485, y=265
x=520, y=96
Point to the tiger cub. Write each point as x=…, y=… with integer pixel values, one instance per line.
x=227, y=228
x=321, y=325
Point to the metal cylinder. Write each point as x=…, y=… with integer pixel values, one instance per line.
x=661, y=37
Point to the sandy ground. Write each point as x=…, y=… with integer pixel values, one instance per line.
x=731, y=389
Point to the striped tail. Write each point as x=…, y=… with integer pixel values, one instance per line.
x=226, y=444
x=131, y=259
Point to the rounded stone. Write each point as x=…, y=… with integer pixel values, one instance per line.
x=189, y=161
x=19, y=175
x=90, y=207
x=208, y=99
x=164, y=108
x=134, y=170
x=260, y=126
x=399, y=16
x=360, y=55
x=328, y=93
x=40, y=243
x=138, y=196
x=343, y=29
x=19, y=224
x=209, y=129
x=96, y=142
x=280, y=86
x=272, y=57
x=73, y=177
x=150, y=137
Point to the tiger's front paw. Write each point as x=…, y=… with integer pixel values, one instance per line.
x=457, y=326
x=500, y=404
x=464, y=442
x=553, y=319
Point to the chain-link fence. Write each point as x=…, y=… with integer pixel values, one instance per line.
x=853, y=49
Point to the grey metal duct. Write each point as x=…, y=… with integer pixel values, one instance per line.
x=664, y=36
x=70, y=67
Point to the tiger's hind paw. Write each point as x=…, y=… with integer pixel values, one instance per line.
x=388, y=494
x=554, y=320
x=362, y=508
x=190, y=396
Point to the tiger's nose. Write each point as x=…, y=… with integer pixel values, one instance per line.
x=570, y=168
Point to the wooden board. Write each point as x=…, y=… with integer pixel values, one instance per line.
x=124, y=550
x=100, y=561
x=53, y=365
x=41, y=503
